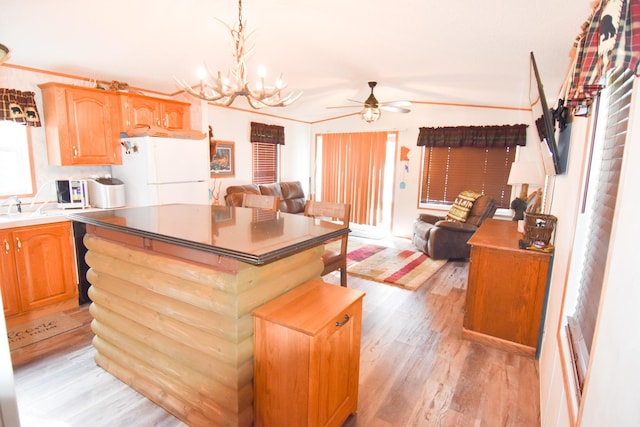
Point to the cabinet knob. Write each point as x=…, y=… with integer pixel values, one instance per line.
x=344, y=322
x=18, y=244
x=75, y=151
x=7, y=248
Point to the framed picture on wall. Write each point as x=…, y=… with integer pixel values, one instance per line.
x=221, y=158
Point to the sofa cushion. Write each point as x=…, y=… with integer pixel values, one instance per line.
x=462, y=206
x=293, y=196
x=484, y=207
x=235, y=193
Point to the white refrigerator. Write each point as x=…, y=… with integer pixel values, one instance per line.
x=157, y=170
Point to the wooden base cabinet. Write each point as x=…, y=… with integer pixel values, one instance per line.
x=38, y=270
x=307, y=356
x=506, y=289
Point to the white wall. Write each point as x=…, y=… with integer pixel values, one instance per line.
x=234, y=125
x=610, y=396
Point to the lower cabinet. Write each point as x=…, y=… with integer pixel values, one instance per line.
x=38, y=269
x=307, y=356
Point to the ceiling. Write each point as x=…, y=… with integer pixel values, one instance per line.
x=464, y=51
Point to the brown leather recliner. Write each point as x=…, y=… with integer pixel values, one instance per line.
x=444, y=239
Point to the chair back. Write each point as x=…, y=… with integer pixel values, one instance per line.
x=250, y=200
x=334, y=212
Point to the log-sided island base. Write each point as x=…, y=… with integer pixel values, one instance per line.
x=173, y=288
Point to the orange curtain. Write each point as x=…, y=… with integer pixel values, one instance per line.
x=353, y=172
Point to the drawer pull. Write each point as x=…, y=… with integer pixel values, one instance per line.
x=346, y=319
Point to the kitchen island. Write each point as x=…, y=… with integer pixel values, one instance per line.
x=173, y=288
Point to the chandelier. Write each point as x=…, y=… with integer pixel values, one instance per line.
x=224, y=90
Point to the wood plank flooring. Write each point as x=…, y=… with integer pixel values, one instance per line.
x=416, y=370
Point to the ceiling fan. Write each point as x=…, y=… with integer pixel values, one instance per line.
x=371, y=106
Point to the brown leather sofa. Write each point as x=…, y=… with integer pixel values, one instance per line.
x=445, y=239
x=291, y=194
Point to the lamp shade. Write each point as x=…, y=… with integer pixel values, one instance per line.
x=526, y=172
x=4, y=53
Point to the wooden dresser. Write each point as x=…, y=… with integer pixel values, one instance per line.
x=506, y=289
x=307, y=356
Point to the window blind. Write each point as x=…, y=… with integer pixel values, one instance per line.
x=264, y=163
x=447, y=171
x=581, y=323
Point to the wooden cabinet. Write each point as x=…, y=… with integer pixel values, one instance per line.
x=82, y=125
x=307, y=356
x=38, y=269
x=506, y=289
x=145, y=111
x=8, y=279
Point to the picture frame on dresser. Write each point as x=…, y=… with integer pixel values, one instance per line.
x=222, y=159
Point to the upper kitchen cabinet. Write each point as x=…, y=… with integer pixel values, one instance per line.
x=82, y=125
x=145, y=111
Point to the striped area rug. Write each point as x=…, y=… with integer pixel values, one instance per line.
x=405, y=268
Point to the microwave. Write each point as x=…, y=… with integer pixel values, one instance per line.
x=72, y=193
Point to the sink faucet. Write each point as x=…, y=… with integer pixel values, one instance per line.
x=14, y=200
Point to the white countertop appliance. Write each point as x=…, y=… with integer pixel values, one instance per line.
x=106, y=193
x=72, y=193
x=158, y=170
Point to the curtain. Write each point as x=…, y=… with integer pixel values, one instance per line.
x=353, y=172
x=473, y=136
x=270, y=134
x=610, y=39
x=19, y=107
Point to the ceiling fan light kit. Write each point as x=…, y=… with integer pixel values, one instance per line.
x=220, y=90
x=372, y=109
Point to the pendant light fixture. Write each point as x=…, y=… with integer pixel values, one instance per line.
x=224, y=90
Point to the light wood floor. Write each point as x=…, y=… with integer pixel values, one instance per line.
x=415, y=370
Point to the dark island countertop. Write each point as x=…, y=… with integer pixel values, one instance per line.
x=254, y=236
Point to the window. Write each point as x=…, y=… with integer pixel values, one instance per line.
x=16, y=161
x=265, y=162
x=446, y=171
x=597, y=221
x=476, y=158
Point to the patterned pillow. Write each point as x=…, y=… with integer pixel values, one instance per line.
x=462, y=205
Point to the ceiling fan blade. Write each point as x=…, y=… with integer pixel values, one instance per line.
x=397, y=103
x=394, y=109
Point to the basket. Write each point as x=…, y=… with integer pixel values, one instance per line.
x=538, y=227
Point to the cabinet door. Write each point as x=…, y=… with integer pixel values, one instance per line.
x=92, y=124
x=45, y=264
x=8, y=279
x=175, y=116
x=142, y=112
x=334, y=367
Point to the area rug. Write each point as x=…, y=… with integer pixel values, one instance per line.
x=400, y=267
x=40, y=329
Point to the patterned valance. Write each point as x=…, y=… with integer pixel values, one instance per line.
x=270, y=134
x=19, y=107
x=610, y=39
x=473, y=136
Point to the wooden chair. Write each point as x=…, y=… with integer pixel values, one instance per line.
x=333, y=260
x=250, y=200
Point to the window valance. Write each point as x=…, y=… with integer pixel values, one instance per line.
x=610, y=39
x=270, y=134
x=473, y=136
x=18, y=106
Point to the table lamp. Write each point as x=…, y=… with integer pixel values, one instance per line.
x=524, y=173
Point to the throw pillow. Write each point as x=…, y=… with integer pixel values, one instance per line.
x=462, y=205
